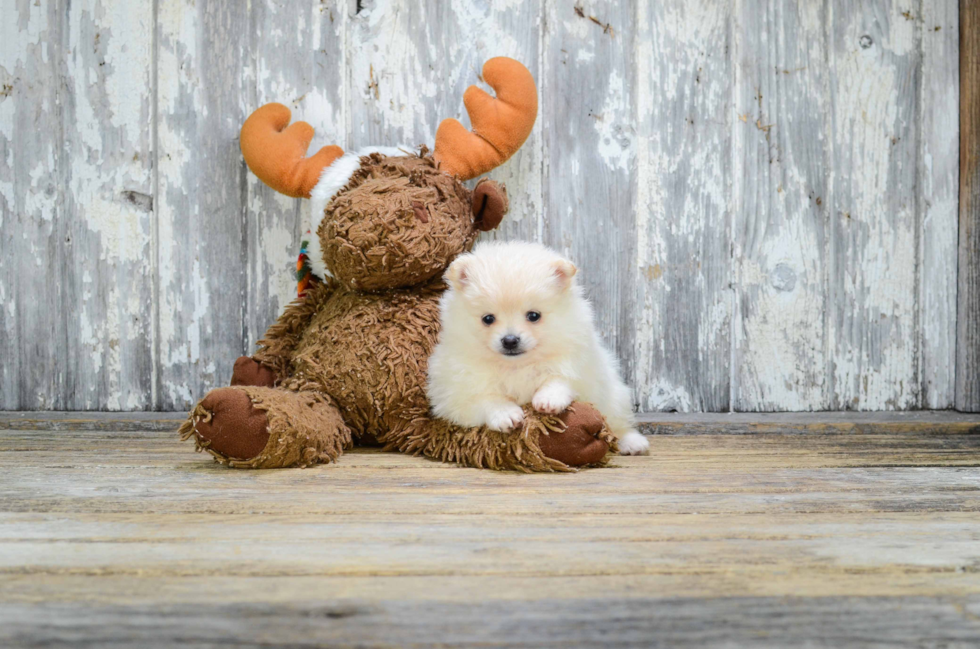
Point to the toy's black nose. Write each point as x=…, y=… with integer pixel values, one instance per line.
x=510, y=342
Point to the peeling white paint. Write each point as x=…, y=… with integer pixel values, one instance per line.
x=938, y=181
x=680, y=271
x=9, y=304
x=665, y=396
x=41, y=198
x=391, y=79
x=198, y=290
x=612, y=124
x=874, y=354
x=111, y=56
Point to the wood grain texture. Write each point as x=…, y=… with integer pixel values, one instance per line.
x=588, y=118
x=33, y=211
x=780, y=183
x=201, y=236
x=123, y=538
x=938, y=181
x=872, y=261
x=760, y=196
x=968, y=312
x=754, y=622
x=683, y=98
x=108, y=206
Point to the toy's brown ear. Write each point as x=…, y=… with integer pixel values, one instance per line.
x=489, y=204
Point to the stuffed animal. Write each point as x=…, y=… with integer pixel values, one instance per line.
x=346, y=362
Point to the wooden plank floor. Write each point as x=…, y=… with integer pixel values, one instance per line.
x=862, y=536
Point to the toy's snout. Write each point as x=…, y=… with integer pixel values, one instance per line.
x=489, y=204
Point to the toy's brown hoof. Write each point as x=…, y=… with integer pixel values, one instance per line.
x=234, y=428
x=249, y=371
x=580, y=443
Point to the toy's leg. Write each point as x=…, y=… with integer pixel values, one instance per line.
x=266, y=428
x=575, y=438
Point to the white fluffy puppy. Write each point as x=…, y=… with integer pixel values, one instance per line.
x=516, y=328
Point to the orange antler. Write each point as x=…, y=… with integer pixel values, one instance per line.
x=275, y=153
x=500, y=125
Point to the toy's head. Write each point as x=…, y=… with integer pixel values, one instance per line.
x=385, y=217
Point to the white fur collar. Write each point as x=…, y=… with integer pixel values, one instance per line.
x=334, y=178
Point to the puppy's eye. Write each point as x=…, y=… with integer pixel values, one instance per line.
x=488, y=319
x=533, y=316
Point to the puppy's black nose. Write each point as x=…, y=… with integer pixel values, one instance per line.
x=510, y=342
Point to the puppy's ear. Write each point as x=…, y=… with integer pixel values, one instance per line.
x=456, y=275
x=564, y=272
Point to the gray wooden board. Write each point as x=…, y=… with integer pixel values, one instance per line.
x=761, y=197
x=873, y=256
x=938, y=181
x=779, y=189
x=107, y=360
x=683, y=98
x=33, y=216
x=588, y=117
x=756, y=622
x=200, y=230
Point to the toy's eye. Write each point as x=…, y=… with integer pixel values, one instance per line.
x=533, y=316
x=488, y=319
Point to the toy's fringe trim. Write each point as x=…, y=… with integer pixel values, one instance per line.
x=488, y=449
x=186, y=430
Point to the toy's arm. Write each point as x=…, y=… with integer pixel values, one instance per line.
x=277, y=347
x=575, y=438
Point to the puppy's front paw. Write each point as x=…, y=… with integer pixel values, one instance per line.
x=506, y=418
x=633, y=443
x=552, y=399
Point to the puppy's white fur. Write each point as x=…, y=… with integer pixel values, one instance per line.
x=472, y=380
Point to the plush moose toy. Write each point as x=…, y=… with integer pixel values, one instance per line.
x=347, y=360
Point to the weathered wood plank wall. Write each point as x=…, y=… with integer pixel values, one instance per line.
x=762, y=195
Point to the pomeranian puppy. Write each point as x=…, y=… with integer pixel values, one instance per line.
x=517, y=329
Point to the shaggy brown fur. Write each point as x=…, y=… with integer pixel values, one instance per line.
x=374, y=233
x=350, y=358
